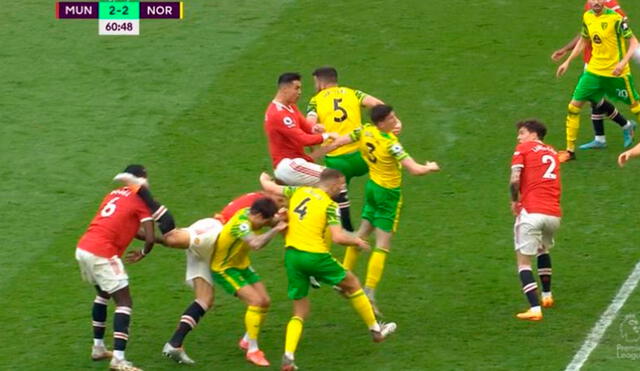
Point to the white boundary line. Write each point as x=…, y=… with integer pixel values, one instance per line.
x=594, y=337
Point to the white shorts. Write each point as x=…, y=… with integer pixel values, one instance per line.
x=298, y=172
x=636, y=56
x=533, y=233
x=108, y=274
x=202, y=238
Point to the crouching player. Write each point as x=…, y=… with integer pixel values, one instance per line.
x=231, y=267
x=535, y=201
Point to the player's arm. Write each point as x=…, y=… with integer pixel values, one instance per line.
x=514, y=189
x=149, y=240
x=633, y=45
x=338, y=234
x=258, y=241
x=415, y=168
x=628, y=155
x=312, y=116
x=577, y=50
x=306, y=139
x=558, y=54
x=269, y=185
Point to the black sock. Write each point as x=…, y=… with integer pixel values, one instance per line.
x=160, y=213
x=529, y=286
x=99, y=315
x=188, y=321
x=345, y=210
x=597, y=118
x=544, y=271
x=610, y=111
x=121, y=328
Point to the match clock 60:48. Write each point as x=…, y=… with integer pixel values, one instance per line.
x=119, y=27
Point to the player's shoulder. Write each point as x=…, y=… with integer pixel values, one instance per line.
x=524, y=147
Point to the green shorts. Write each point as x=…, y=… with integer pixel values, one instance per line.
x=593, y=88
x=233, y=279
x=382, y=206
x=350, y=164
x=301, y=264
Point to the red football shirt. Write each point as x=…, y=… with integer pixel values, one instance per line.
x=611, y=4
x=288, y=132
x=540, y=178
x=241, y=202
x=115, y=224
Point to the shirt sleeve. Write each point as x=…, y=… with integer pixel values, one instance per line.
x=396, y=150
x=518, y=158
x=355, y=135
x=288, y=191
x=241, y=229
x=585, y=31
x=312, y=107
x=296, y=134
x=624, y=29
x=143, y=212
x=360, y=95
x=333, y=214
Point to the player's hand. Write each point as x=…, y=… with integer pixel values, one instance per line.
x=624, y=157
x=318, y=129
x=516, y=207
x=432, y=166
x=265, y=177
x=558, y=54
x=398, y=128
x=332, y=136
x=619, y=68
x=281, y=226
x=562, y=69
x=134, y=256
x=362, y=244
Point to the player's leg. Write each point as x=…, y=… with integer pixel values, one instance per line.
x=350, y=285
x=551, y=225
x=99, y=316
x=388, y=204
x=527, y=241
x=628, y=127
x=202, y=236
x=298, y=172
x=367, y=217
x=597, y=118
x=121, y=321
x=587, y=89
x=301, y=308
x=258, y=301
x=178, y=238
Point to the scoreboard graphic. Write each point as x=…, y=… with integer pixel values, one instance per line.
x=119, y=17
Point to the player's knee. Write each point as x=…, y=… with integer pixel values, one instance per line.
x=265, y=301
x=573, y=109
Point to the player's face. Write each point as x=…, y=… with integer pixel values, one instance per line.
x=336, y=187
x=597, y=5
x=525, y=135
x=317, y=84
x=389, y=122
x=258, y=221
x=293, y=91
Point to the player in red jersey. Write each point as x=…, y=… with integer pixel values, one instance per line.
x=98, y=253
x=198, y=240
x=289, y=133
x=603, y=109
x=535, y=201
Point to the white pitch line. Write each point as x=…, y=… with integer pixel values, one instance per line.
x=594, y=337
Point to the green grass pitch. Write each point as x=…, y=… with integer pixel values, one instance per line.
x=186, y=98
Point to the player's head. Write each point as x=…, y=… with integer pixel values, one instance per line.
x=133, y=175
x=331, y=181
x=597, y=5
x=280, y=200
x=531, y=129
x=324, y=77
x=289, y=87
x=384, y=117
x=262, y=211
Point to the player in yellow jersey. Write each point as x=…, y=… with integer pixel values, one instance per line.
x=386, y=157
x=314, y=222
x=607, y=74
x=338, y=109
x=231, y=267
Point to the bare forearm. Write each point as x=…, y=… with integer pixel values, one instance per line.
x=514, y=189
x=259, y=241
x=577, y=49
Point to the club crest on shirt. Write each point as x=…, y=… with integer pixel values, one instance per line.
x=604, y=25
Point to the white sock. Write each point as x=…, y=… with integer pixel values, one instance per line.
x=253, y=345
x=627, y=126
x=98, y=342
x=289, y=355
x=118, y=354
x=546, y=294
x=245, y=337
x=601, y=138
x=536, y=309
x=375, y=327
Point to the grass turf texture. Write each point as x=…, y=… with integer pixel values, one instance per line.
x=186, y=98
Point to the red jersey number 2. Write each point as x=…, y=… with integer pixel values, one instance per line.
x=549, y=174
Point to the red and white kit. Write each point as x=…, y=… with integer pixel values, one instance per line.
x=540, y=191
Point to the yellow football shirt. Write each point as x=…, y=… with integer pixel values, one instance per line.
x=383, y=153
x=311, y=212
x=338, y=109
x=231, y=251
x=608, y=33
